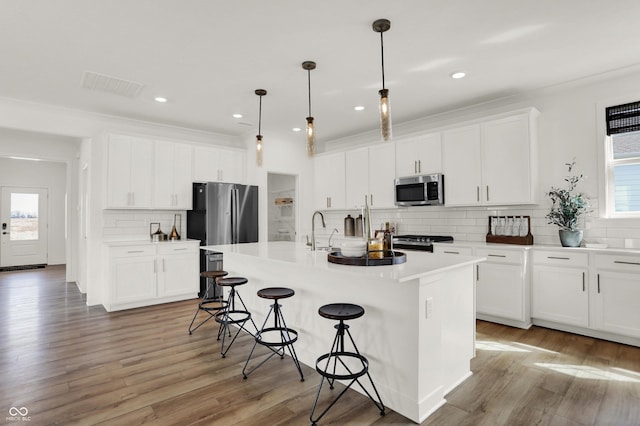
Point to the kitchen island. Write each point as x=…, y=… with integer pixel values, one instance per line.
x=418, y=331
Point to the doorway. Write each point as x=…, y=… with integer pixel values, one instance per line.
x=24, y=226
x=282, y=207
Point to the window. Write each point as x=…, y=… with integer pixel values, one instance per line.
x=623, y=160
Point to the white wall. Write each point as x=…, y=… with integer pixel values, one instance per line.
x=568, y=127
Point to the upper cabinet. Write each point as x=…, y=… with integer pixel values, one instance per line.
x=214, y=164
x=369, y=174
x=129, y=172
x=492, y=162
x=419, y=156
x=329, y=181
x=173, y=176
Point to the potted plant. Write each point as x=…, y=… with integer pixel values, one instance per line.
x=567, y=207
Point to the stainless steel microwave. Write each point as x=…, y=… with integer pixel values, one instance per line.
x=424, y=190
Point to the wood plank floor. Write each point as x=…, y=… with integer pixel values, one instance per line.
x=72, y=364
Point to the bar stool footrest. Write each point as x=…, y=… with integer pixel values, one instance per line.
x=233, y=317
x=290, y=334
x=341, y=357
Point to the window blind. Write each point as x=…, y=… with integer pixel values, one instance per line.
x=623, y=118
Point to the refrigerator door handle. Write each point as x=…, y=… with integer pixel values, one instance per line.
x=235, y=226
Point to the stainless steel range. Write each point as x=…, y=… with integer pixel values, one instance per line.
x=419, y=242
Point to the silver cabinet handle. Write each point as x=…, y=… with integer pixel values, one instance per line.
x=487, y=192
x=135, y=251
x=496, y=255
x=478, y=193
x=583, y=282
x=415, y=166
x=419, y=166
x=626, y=263
x=558, y=258
x=598, y=283
x=477, y=273
x=451, y=252
x=371, y=198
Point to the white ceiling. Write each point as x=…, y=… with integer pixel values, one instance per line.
x=208, y=56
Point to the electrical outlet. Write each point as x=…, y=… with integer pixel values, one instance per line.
x=429, y=307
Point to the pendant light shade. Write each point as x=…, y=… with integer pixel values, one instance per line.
x=381, y=26
x=311, y=133
x=259, y=147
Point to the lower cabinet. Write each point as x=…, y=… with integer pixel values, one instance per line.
x=502, y=283
x=152, y=273
x=616, y=294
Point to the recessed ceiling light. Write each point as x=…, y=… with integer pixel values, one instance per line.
x=237, y=115
x=161, y=99
x=296, y=129
x=458, y=74
x=358, y=108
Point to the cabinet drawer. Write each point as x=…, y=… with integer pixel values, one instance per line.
x=501, y=256
x=128, y=251
x=174, y=248
x=446, y=249
x=560, y=258
x=618, y=262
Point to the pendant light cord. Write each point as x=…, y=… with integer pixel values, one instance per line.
x=260, y=117
x=382, y=55
x=309, y=79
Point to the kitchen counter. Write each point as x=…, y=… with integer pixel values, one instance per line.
x=418, y=331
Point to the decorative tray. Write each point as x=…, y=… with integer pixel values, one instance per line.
x=389, y=258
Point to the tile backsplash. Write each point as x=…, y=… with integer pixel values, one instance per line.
x=134, y=224
x=471, y=223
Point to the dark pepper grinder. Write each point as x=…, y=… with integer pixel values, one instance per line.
x=349, y=226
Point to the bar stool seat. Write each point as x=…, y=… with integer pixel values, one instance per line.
x=209, y=303
x=278, y=337
x=232, y=315
x=340, y=363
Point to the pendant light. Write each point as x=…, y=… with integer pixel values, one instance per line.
x=260, y=93
x=311, y=133
x=381, y=26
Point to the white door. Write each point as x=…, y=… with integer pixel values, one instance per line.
x=24, y=226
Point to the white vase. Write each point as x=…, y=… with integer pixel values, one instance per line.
x=570, y=238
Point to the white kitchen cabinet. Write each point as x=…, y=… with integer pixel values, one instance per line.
x=176, y=264
x=369, y=175
x=501, y=285
x=420, y=155
x=129, y=172
x=446, y=248
x=492, y=162
x=132, y=274
x=215, y=164
x=143, y=274
x=173, y=176
x=560, y=287
x=616, y=294
x=462, y=167
x=329, y=181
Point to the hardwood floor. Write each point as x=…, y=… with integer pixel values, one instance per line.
x=72, y=364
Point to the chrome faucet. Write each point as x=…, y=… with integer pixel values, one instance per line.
x=313, y=228
x=331, y=236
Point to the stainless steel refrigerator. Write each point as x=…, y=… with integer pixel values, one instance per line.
x=223, y=213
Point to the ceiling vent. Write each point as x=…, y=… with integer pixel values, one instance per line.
x=109, y=84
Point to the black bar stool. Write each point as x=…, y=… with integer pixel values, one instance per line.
x=278, y=337
x=209, y=302
x=341, y=364
x=233, y=315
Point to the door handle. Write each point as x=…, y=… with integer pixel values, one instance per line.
x=5, y=233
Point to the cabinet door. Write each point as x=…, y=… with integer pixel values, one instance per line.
x=462, y=166
x=119, y=171
x=617, y=295
x=560, y=294
x=163, y=194
x=178, y=273
x=129, y=172
x=421, y=155
x=382, y=172
x=205, y=164
x=357, y=177
x=133, y=279
x=500, y=290
x=231, y=166
x=506, y=160
x=329, y=181
x=183, y=176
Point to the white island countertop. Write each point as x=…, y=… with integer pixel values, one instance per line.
x=418, y=331
x=418, y=264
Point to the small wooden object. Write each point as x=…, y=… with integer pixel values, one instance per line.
x=526, y=240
